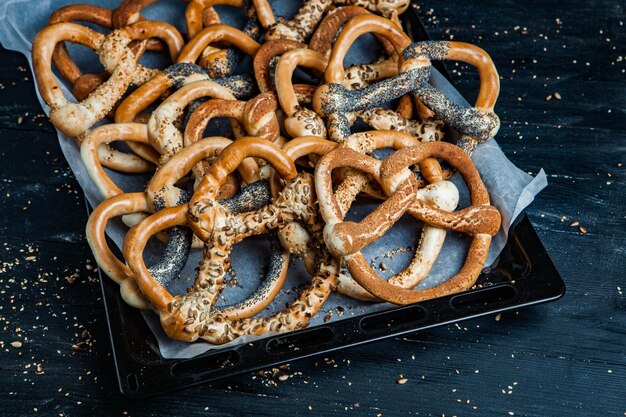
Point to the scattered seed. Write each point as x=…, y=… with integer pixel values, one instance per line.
x=557, y=95
x=17, y=344
x=582, y=230
x=549, y=97
x=574, y=224
x=283, y=377
x=402, y=380
x=498, y=317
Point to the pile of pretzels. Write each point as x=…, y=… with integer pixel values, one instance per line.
x=293, y=165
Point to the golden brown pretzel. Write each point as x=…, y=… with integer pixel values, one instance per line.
x=162, y=131
x=308, y=16
x=440, y=194
x=265, y=58
x=73, y=119
x=91, y=153
x=100, y=16
x=328, y=29
x=300, y=120
x=216, y=33
x=345, y=239
x=191, y=316
x=118, y=205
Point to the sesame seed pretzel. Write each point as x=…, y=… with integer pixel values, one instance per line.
x=161, y=192
x=221, y=62
x=163, y=132
x=346, y=239
x=309, y=15
x=75, y=118
x=192, y=315
x=265, y=60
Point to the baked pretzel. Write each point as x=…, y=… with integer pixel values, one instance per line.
x=221, y=63
x=91, y=153
x=161, y=192
x=170, y=266
x=266, y=58
x=346, y=239
x=74, y=118
x=329, y=28
x=164, y=136
x=332, y=99
x=309, y=15
x=191, y=316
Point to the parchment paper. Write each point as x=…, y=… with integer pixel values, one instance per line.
x=510, y=189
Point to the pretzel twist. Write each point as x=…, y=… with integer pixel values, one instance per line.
x=191, y=316
x=220, y=63
x=75, y=118
x=345, y=239
x=162, y=131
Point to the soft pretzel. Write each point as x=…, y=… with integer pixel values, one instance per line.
x=74, y=118
x=309, y=15
x=191, y=316
x=220, y=63
x=345, y=239
x=162, y=131
x=326, y=32
x=169, y=267
x=266, y=58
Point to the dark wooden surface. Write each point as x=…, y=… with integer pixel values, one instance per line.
x=566, y=358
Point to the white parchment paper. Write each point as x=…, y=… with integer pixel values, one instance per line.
x=511, y=190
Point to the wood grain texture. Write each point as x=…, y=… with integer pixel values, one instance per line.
x=566, y=358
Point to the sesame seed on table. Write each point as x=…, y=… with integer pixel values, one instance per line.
x=562, y=106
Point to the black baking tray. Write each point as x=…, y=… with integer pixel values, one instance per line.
x=523, y=275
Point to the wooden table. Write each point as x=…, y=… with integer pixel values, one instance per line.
x=562, y=107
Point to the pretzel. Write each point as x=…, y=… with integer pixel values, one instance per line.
x=221, y=63
x=100, y=16
x=91, y=154
x=170, y=266
x=300, y=121
x=440, y=194
x=334, y=99
x=162, y=131
x=309, y=15
x=478, y=123
x=346, y=239
x=265, y=60
x=326, y=32
x=73, y=119
x=192, y=315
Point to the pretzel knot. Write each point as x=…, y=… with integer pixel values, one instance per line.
x=117, y=58
x=333, y=99
x=194, y=315
x=346, y=239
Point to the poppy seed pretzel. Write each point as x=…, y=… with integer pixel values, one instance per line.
x=192, y=315
x=75, y=118
x=480, y=220
x=477, y=124
x=221, y=63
